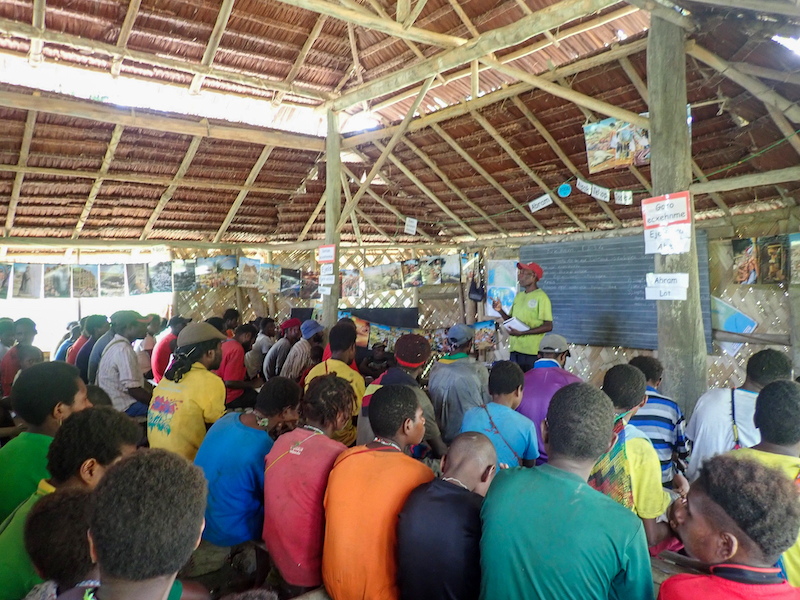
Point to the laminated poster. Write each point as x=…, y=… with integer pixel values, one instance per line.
x=412, y=274
x=216, y=271
x=794, y=259
x=745, y=261
x=309, y=288
x=28, y=280
x=432, y=270
x=485, y=335
x=57, y=281
x=451, y=268
x=269, y=278
x=160, y=275
x=291, y=282
x=248, y=272
x=501, y=283
x=773, y=258
x=112, y=281
x=5, y=279
x=362, y=332
x=137, y=279
x=349, y=280
x=84, y=281
x=469, y=267
x=725, y=317
x=184, y=276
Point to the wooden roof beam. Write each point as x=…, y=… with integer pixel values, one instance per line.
x=24, y=151
x=213, y=44
x=312, y=217
x=237, y=204
x=525, y=28
x=784, y=127
x=483, y=122
x=167, y=195
x=765, y=73
x=374, y=225
x=758, y=6
x=37, y=44
x=747, y=181
x=641, y=87
x=485, y=174
x=125, y=34
x=301, y=58
x=133, y=118
x=698, y=172
x=414, y=14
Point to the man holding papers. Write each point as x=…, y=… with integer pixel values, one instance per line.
x=532, y=316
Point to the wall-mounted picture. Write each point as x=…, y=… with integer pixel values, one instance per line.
x=5, y=279
x=451, y=268
x=84, y=281
x=112, y=281
x=611, y=143
x=432, y=270
x=138, y=283
x=392, y=276
x=350, y=280
x=412, y=275
x=291, y=281
x=469, y=266
x=745, y=261
x=57, y=281
x=216, y=271
x=485, y=335
x=794, y=260
x=362, y=332
x=248, y=272
x=160, y=276
x=309, y=288
x=27, y=280
x=183, y=275
x=269, y=278
x=773, y=257
x=373, y=280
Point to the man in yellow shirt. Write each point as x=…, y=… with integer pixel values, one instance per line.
x=532, y=307
x=777, y=417
x=342, y=339
x=190, y=396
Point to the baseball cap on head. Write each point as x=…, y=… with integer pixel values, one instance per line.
x=125, y=318
x=195, y=333
x=175, y=321
x=552, y=342
x=459, y=334
x=532, y=266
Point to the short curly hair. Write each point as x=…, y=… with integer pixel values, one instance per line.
x=762, y=502
x=55, y=536
x=777, y=413
x=38, y=390
x=580, y=422
x=625, y=385
x=327, y=397
x=767, y=366
x=341, y=337
x=506, y=377
x=98, y=433
x=278, y=394
x=649, y=365
x=147, y=515
x=389, y=408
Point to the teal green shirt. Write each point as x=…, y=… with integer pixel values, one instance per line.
x=23, y=463
x=547, y=534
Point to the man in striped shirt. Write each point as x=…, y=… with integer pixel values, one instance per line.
x=661, y=419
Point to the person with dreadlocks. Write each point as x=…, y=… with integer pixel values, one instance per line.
x=296, y=476
x=190, y=397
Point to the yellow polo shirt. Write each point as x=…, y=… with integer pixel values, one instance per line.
x=346, y=435
x=533, y=309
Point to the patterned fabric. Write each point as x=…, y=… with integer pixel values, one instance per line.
x=611, y=475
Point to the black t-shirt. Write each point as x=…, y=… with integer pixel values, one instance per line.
x=438, y=543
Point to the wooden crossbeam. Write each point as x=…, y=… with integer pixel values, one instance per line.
x=698, y=172
x=24, y=151
x=37, y=44
x=414, y=13
x=348, y=208
x=770, y=7
x=485, y=174
x=125, y=34
x=403, y=10
x=550, y=17
x=167, y=195
x=666, y=10
x=237, y=204
x=213, y=44
x=747, y=181
x=98, y=182
x=353, y=217
x=784, y=127
x=301, y=58
x=636, y=80
x=312, y=218
x=765, y=73
x=374, y=225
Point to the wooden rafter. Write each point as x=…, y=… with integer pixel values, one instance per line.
x=403, y=10
x=747, y=181
x=374, y=225
x=116, y=135
x=25, y=31
x=485, y=174
x=758, y=6
x=237, y=204
x=125, y=34
x=301, y=58
x=312, y=218
x=348, y=208
x=765, y=73
x=167, y=195
x=551, y=17
x=37, y=44
x=417, y=10
x=698, y=172
x=483, y=122
x=24, y=151
x=353, y=217
x=666, y=10
x=784, y=127
x=213, y=44
x=641, y=87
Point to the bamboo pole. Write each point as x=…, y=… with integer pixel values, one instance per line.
x=37, y=43
x=316, y=30
x=414, y=13
x=374, y=225
x=758, y=6
x=213, y=44
x=747, y=181
x=24, y=151
x=785, y=128
x=698, y=172
x=333, y=209
x=125, y=34
x=764, y=73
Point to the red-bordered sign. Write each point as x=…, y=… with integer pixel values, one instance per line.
x=326, y=254
x=670, y=209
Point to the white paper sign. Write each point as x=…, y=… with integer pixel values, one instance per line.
x=665, y=293
x=411, y=226
x=601, y=193
x=623, y=197
x=326, y=269
x=662, y=211
x=675, y=239
x=584, y=186
x=327, y=254
x=327, y=279
x=540, y=203
x=667, y=280
x=324, y=290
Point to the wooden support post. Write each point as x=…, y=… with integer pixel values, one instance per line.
x=213, y=44
x=681, y=341
x=784, y=127
x=270, y=295
x=333, y=209
x=37, y=44
x=124, y=34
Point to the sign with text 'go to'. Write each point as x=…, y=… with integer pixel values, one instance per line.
x=667, y=224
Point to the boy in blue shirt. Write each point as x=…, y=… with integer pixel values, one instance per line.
x=513, y=434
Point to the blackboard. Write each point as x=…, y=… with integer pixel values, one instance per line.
x=596, y=288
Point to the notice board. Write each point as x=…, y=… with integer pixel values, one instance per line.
x=596, y=288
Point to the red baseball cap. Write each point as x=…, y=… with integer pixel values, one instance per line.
x=288, y=324
x=537, y=270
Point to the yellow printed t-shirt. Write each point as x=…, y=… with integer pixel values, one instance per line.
x=790, y=466
x=347, y=434
x=650, y=500
x=179, y=411
x=533, y=309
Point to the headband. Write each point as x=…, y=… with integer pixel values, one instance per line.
x=410, y=365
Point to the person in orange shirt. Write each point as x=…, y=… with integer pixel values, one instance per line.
x=367, y=489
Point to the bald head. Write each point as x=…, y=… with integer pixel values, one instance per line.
x=472, y=460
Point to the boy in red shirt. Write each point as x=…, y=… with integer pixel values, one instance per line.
x=738, y=518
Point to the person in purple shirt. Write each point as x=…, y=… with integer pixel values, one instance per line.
x=545, y=378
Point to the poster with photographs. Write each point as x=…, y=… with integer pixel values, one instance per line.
x=57, y=281
x=309, y=288
x=469, y=267
x=611, y=143
x=248, y=272
x=501, y=283
x=160, y=275
x=84, y=281
x=184, y=278
x=349, y=279
x=745, y=261
x=392, y=276
x=431, y=270
x=773, y=259
x=438, y=339
x=112, y=281
x=138, y=283
x=485, y=335
x=269, y=278
x=451, y=268
x=216, y=271
x=27, y=280
x=794, y=259
x=380, y=334
x=291, y=282
x=412, y=275
x=362, y=332
x=5, y=280
x=373, y=280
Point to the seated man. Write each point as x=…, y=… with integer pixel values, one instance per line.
x=241, y=392
x=118, y=372
x=439, y=530
x=159, y=360
x=28, y=356
x=97, y=326
x=457, y=382
x=299, y=357
x=546, y=534
x=513, y=435
x=630, y=472
x=254, y=359
x=738, y=518
x=778, y=419
x=661, y=420
x=276, y=356
x=547, y=376
x=25, y=332
x=723, y=418
x=377, y=362
x=367, y=489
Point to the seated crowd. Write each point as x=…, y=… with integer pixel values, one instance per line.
x=151, y=457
